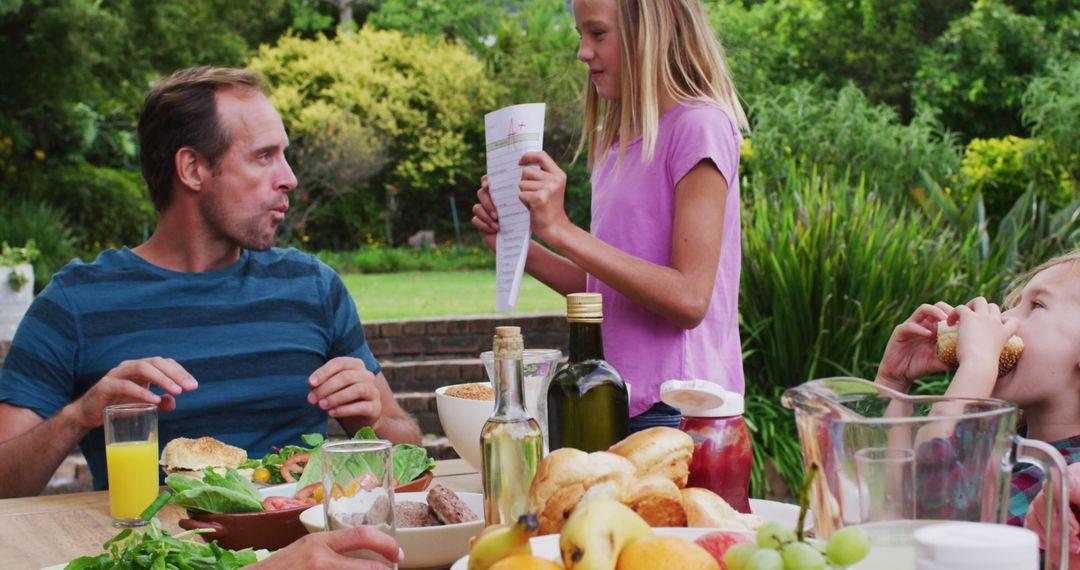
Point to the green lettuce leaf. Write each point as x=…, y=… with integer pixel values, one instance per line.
x=215, y=494
x=216, y=500
x=233, y=481
x=312, y=471
x=410, y=462
x=179, y=483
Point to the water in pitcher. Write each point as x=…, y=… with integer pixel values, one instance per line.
x=892, y=545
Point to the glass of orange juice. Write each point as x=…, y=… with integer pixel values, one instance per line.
x=131, y=451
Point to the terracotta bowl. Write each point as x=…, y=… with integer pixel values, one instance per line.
x=271, y=529
x=419, y=484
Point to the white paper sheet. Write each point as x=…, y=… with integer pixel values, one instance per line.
x=511, y=132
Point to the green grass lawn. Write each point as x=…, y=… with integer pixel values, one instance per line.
x=434, y=293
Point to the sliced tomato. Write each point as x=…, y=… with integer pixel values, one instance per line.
x=310, y=494
x=368, y=481
x=293, y=465
x=278, y=503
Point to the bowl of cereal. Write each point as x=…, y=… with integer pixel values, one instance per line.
x=463, y=408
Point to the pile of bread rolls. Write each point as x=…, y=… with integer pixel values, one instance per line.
x=646, y=472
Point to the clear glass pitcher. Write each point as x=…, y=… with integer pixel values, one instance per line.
x=893, y=462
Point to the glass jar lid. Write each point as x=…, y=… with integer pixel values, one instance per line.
x=701, y=398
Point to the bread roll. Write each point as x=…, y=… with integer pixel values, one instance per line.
x=658, y=501
x=190, y=456
x=706, y=509
x=946, y=349
x=660, y=451
x=561, y=480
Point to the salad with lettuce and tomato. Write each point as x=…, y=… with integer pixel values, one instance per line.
x=302, y=465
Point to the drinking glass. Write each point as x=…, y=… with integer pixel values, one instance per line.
x=358, y=488
x=131, y=453
x=886, y=478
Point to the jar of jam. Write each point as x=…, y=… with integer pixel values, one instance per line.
x=723, y=455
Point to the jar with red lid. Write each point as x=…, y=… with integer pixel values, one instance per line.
x=723, y=454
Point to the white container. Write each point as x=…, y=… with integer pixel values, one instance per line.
x=969, y=545
x=14, y=303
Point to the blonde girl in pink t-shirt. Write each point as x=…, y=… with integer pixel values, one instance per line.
x=661, y=131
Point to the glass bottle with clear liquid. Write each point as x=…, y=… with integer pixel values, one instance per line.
x=510, y=441
x=588, y=405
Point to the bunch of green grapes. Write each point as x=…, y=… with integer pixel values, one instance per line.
x=779, y=549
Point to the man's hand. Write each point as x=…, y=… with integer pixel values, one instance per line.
x=1036, y=517
x=327, y=549
x=912, y=349
x=129, y=382
x=345, y=388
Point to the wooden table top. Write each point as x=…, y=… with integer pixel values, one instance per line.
x=36, y=532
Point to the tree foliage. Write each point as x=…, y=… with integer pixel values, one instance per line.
x=419, y=98
x=976, y=72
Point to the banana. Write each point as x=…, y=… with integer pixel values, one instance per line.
x=595, y=533
x=499, y=541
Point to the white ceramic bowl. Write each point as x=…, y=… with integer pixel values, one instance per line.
x=462, y=419
x=425, y=547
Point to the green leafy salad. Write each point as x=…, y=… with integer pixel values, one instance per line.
x=214, y=493
x=303, y=464
x=152, y=547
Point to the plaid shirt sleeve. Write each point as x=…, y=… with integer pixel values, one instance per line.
x=1027, y=480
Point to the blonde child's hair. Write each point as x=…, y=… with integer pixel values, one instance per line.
x=1072, y=258
x=667, y=45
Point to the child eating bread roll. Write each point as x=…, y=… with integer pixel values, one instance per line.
x=1044, y=380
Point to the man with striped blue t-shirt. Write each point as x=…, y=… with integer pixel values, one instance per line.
x=232, y=337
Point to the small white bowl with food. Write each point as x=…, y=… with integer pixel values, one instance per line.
x=433, y=528
x=463, y=408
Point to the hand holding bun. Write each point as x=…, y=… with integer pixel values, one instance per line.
x=946, y=349
x=660, y=451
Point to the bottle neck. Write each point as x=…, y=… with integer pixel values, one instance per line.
x=586, y=342
x=509, y=389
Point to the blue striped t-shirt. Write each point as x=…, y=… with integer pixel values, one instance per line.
x=251, y=334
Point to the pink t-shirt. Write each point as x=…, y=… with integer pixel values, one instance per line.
x=634, y=211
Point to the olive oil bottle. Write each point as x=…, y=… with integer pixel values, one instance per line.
x=588, y=406
x=511, y=442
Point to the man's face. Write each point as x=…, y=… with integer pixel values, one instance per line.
x=246, y=198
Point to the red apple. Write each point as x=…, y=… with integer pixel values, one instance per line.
x=718, y=543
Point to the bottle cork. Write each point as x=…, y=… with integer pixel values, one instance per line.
x=508, y=343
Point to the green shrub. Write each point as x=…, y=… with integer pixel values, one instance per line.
x=843, y=130
x=420, y=99
x=1003, y=169
x=1052, y=111
x=976, y=72
x=375, y=258
x=24, y=221
x=104, y=207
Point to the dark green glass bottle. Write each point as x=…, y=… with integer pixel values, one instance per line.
x=588, y=407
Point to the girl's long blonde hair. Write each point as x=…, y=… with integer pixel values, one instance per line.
x=667, y=46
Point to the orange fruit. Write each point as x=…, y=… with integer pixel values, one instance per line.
x=659, y=552
x=525, y=562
